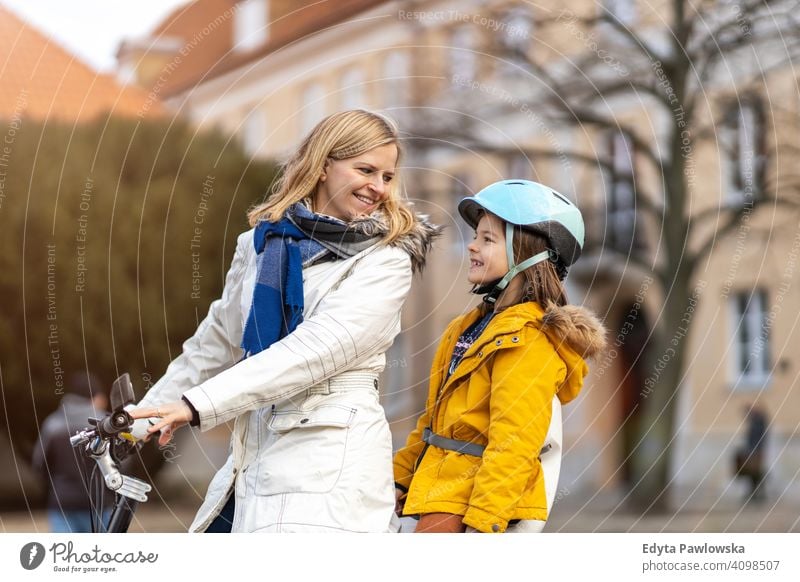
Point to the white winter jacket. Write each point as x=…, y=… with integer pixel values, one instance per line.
x=311, y=448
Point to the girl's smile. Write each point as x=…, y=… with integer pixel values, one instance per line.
x=487, y=251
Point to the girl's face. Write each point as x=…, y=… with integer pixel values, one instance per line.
x=356, y=186
x=487, y=251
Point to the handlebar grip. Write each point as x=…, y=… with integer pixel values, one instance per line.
x=115, y=423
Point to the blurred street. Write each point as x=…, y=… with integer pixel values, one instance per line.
x=570, y=516
x=603, y=514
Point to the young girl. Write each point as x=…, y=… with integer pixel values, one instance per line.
x=292, y=350
x=474, y=461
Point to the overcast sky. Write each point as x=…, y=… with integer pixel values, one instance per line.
x=92, y=29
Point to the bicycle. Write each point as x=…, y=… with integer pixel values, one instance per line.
x=108, y=442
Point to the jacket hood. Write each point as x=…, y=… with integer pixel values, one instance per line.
x=416, y=243
x=577, y=335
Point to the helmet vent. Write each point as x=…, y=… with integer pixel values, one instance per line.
x=515, y=183
x=560, y=197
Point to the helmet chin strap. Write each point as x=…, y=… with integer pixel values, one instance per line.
x=513, y=270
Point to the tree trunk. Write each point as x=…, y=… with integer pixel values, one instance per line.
x=665, y=358
x=650, y=469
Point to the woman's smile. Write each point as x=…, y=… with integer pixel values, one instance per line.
x=356, y=186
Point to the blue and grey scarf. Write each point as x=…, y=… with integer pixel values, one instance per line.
x=300, y=239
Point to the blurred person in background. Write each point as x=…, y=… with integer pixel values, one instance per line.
x=750, y=457
x=64, y=470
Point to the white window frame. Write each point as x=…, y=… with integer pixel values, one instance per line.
x=750, y=365
x=352, y=93
x=621, y=203
x=518, y=30
x=254, y=130
x=463, y=60
x=742, y=166
x=250, y=24
x=623, y=10
x=396, y=74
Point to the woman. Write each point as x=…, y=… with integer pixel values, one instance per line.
x=293, y=348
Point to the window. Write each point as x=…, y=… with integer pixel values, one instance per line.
x=562, y=169
x=352, y=92
x=621, y=196
x=396, y=73
x=624, y=11
x=254, y=130
x=742, y=136
x=313, y=109
x=463, y=63
x=751, y=345
x=250, y=24
x=517, y=33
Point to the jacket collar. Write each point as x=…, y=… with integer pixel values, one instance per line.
x=576, y=335
x=416, y=243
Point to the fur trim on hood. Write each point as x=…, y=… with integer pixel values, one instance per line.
x=575, y=326
x=416, y=243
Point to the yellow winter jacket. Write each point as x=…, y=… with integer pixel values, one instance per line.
x=499, y=396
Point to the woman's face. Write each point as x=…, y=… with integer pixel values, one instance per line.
x=487, y=251
x=356, y=186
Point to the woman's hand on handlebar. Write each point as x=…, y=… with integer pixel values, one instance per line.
x=167, y=418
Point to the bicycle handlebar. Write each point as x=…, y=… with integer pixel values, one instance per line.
x=107, y=441
x=114, y=424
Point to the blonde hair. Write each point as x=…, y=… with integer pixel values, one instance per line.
x=339, y=136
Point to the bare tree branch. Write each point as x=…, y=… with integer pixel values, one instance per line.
x=585, y=115
x=633, y=257
x=646, y=49
x=733, y=222
x=620, y=87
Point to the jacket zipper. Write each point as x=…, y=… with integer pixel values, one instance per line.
x=419, y=458
x=438, y=401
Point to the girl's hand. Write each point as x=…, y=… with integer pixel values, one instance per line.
x=168, y=418
x=440, y=523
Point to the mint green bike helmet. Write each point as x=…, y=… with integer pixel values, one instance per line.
x=534, y=207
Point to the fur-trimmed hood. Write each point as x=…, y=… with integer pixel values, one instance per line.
x=416, y=243
x=577, y=335
x=576, y=326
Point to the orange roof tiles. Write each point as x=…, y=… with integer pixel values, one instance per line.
x=205, y=29
x=40, y=79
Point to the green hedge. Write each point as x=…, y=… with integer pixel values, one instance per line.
x=116, y=236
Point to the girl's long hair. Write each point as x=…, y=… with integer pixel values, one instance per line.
x=541, y=282
x=339, y=136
